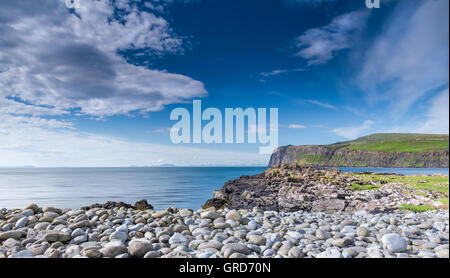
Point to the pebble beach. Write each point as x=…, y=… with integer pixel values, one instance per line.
x=121, y=232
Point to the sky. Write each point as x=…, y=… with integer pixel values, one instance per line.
x=94, y=86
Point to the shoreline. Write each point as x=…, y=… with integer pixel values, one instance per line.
x=122, y=232
x=288, y=212
x=57, y=197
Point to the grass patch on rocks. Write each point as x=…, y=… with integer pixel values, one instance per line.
x=310, y=159
x=360, y=187
x=431, y=183
x=415, y=208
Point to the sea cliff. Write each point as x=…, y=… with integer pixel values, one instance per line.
x=379, y=150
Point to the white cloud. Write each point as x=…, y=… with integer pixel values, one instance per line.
x=437, y=118
x=296, y=126
x=322, y=104
x=56, y=63
x=410, y=56
x=62, y=60
x=352, y=132
x=319, y=45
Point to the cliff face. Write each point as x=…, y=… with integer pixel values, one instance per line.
x=344, y=157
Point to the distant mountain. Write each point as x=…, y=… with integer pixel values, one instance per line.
x=161, y=165
x=389, y=150
x=167, y=165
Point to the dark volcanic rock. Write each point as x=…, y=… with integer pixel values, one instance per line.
x=108, y=205
x=216, y=203
x=142, y=205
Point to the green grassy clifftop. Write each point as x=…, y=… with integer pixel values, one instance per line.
x=390, y=150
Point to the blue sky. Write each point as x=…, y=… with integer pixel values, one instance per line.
x=94, y=86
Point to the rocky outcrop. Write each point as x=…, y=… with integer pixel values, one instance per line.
x=140, y=205
x=343, y=157
x=308, y=188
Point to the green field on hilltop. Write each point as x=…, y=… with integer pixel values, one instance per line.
x=397, y=142
x=402, y=146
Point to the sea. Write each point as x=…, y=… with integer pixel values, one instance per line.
x=163, y=187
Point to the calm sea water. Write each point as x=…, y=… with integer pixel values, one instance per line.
x=163, y=187
x=76, y=187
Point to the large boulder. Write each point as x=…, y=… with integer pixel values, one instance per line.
x=142, y=205
x=394, y=243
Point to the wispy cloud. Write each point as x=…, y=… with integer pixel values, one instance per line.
x=266, y=75
x=272, y=73
x=278, y=72
x=255, y=129
x=161, y=130
x=410, y=56
x=14, y=107
x=319, y=45
x=322, y=104
x=352, y=132
x=437, y=115
x=358, y=111
x=42, y=146
x=296, y=126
